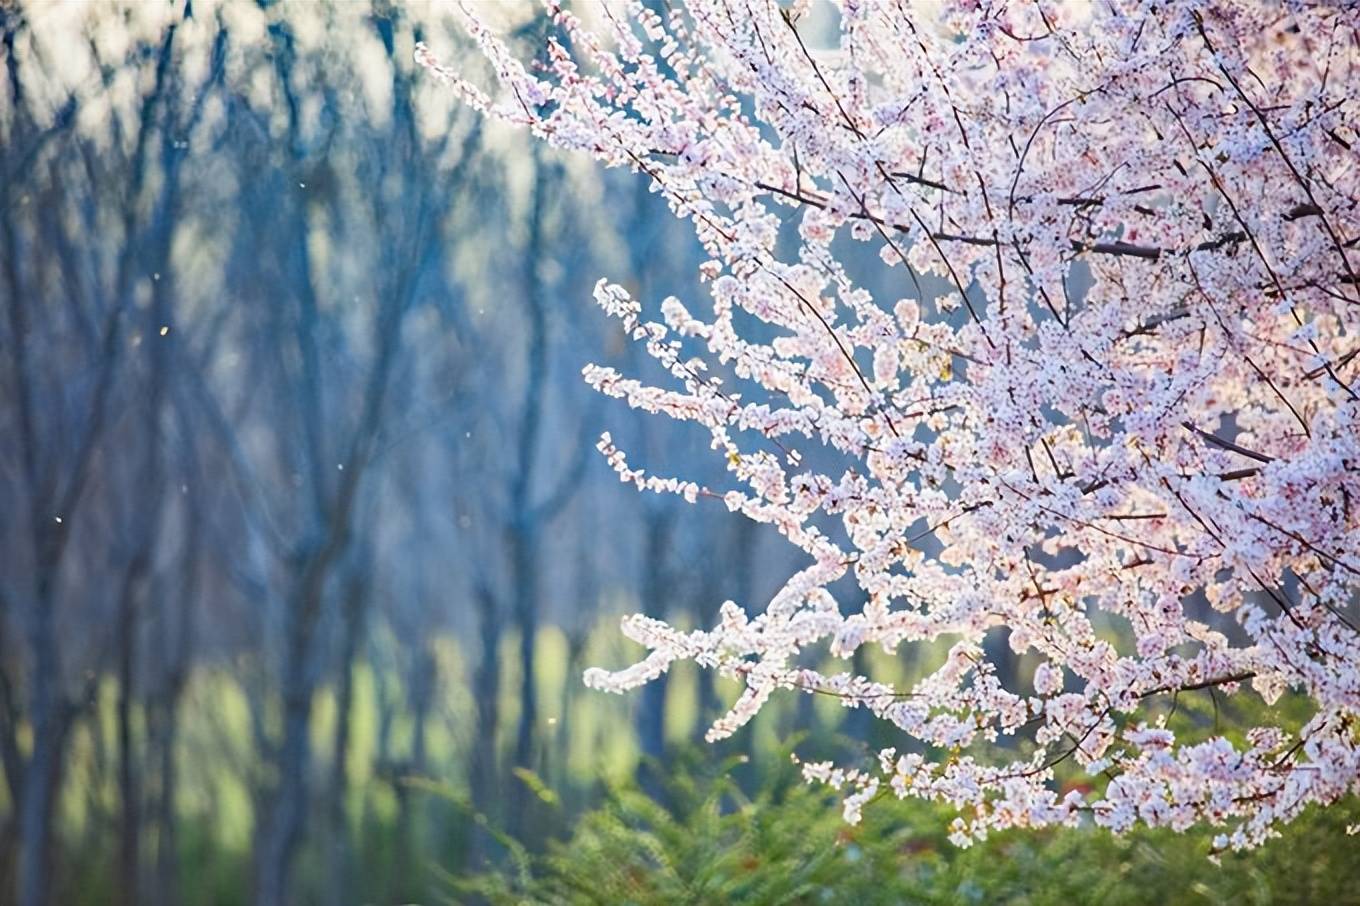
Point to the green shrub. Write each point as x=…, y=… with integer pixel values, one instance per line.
x=702, y=840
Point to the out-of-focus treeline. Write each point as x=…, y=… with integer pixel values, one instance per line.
x=304, y=543
x=303, y=540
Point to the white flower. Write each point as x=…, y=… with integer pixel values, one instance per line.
x=1074, y=464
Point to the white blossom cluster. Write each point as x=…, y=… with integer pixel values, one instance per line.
x=1129, y=434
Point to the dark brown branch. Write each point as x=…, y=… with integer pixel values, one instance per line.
x=1203, y=684
x=1227, y=444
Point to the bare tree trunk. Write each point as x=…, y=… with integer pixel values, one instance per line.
x=743, y=557
x=166, y=879
x=166, y=887
x=407, y=879
x=356, y=596
x=522, y=559
x=50, y=717
x=706, y=609
x=655, y=597
x=486, y=688
x=859, y=722
x=178, y=610
x=526, y=516
x=42, y=770
x=129, y=783
x=283, y=828
x=555, y=770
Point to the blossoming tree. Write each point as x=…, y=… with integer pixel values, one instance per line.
x=1129, y=432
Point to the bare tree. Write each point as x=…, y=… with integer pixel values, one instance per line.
x=64, y=448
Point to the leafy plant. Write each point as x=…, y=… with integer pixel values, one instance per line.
x=702, y=839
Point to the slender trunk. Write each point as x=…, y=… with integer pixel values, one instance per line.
x=486, y=686
x=743, y=556
x=356, y=594
x=129, y=785
x=180, y=611
x=522, y=534
x=526, y=616
x=35, y=814
x=652, y=707
x=166, y=885
x=521, y=822
x=859, y=722
x=706, y=609
x=42, y=772
x=9, y=753
x=283, y=829
x=407, y=881
x=555, y=769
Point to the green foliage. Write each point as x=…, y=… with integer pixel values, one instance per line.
x=702, y=840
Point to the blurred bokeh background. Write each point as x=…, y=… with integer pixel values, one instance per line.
x=304, y=543
x=299, y=501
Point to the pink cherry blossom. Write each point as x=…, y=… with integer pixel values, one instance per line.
x=1113, y=392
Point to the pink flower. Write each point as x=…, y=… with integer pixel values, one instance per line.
x=1125, y=377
